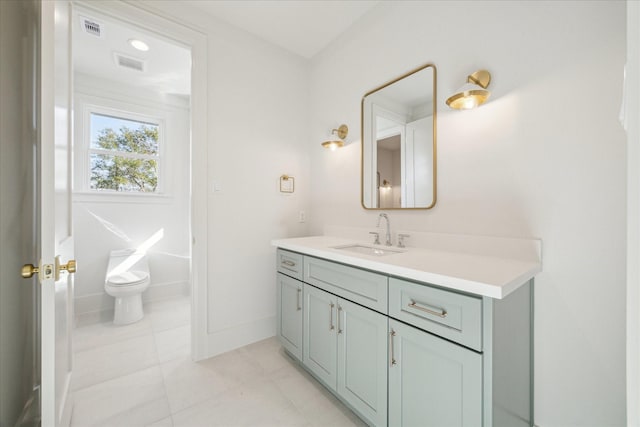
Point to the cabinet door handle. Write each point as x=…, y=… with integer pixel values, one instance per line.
x=339, y=311
x=392, y=357
x=441, y=312
x=289, y=263
x=298, y=307
x=331, y=327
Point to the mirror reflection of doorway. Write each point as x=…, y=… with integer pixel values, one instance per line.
x=404, y=108
x=389, y=168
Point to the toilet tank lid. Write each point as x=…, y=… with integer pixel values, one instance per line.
x=128, y=277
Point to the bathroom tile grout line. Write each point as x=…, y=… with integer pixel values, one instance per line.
x=264, y=376
x=150, y=332
x=164, y=383
x=268, y=373
x=158, y=363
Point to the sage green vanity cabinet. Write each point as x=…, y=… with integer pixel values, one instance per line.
x=289, y=301
x=345, y=347
x=289, y=306
x=290, y=263
x=363, y=287
x=320, y=342
x=405, y=353
x=451, y=315
x=362, y=361
x=432, y=382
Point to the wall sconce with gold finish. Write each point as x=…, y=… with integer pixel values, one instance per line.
x=473, y=93
x=336, y=137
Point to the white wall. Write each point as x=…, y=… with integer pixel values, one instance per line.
x=258, y=131
x=107, y=222
x=544, y=158
x=258, y=117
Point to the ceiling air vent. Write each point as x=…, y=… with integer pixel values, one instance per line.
x=129, y=62
x=91, y=26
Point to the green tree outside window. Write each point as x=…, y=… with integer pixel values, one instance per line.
x=126, y=159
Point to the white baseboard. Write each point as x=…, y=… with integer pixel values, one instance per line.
x=166, y=290
x=98, y=308
x=219, y=342
x=93, y=317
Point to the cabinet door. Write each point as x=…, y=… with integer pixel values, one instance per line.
x=362, y=360
x=290, y=314
x=320, y=343
x=433, y=382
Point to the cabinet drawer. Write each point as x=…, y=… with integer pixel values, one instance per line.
x=451, y=315
x=360, y=286
x=290, y=263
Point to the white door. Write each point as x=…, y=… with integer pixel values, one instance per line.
x=54, y=210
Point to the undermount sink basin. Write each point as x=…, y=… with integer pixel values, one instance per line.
x=368, y=250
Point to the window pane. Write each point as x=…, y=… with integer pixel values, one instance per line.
x=118, y=173
x=118, y=134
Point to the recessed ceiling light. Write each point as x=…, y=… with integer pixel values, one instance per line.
x=139, y=44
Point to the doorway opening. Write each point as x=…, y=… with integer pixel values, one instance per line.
x=35, y=143
x=132, y=179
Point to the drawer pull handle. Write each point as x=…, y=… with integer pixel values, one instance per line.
x=440, y=313
x=331, y=327
x=392, y=357
x=298, y=307
x=339, y=311
x=289, y=263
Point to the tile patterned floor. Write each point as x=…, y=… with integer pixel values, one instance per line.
x=142, y=375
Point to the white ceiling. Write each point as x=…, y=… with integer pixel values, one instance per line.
x=303, y=27
x=168, y=66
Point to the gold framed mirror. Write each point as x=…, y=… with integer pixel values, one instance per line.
x=398, y=129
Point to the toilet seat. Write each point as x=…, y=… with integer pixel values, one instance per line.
x=128, y=278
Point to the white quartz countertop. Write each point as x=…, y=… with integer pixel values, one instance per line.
x=490, y=276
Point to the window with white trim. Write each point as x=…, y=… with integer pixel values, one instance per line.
x=123, y=152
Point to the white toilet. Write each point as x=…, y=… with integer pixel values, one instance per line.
x=127, y=277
